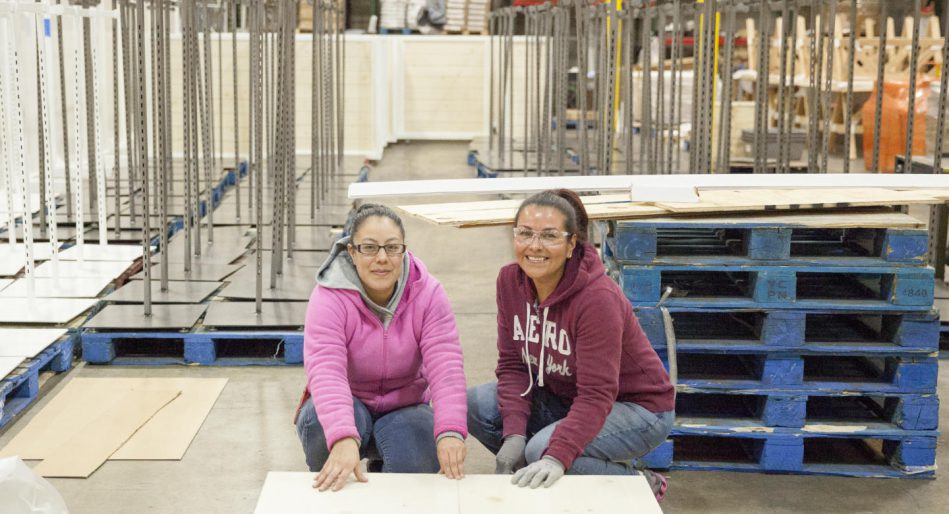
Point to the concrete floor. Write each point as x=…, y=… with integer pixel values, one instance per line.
x=249, y=430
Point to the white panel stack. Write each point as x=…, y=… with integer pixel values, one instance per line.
x=392, y=14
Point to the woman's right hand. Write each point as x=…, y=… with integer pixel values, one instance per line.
x=343, y=460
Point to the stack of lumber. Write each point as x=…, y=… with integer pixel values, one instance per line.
x=619, y=206
x=467, y=16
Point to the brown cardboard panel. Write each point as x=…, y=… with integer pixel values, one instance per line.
x=82, y=453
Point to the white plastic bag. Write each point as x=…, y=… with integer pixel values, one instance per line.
x=24, y=492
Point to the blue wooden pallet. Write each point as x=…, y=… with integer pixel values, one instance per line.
x=712, y=243
x=819, y=331
x=893, y=413
x=768, y=373
x=787, y=287
x=880, y=455
x=209, y=348
x=21, y=388
x=403, y=31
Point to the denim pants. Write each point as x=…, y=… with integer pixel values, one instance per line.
x=403, y=439
x=630, y=430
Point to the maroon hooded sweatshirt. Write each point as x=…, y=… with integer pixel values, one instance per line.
x=594, y=352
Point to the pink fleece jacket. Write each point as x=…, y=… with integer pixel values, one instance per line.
x=348, y=352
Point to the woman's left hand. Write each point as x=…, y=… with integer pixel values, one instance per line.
x=451, y=457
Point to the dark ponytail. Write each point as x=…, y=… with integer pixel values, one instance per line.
x=565, y=201
x=368, y=210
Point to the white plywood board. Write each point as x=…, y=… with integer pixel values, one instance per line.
x=391, y=493
x=35, y=204
x=13, y=258
x=165, y=437
x=4, y=282
x=8, y=364
x=88, y=448
x=97, y=252
x=104, y=269
x=27, y=342
x=63, y=287
x=45, y=310
x=626, y=182
x=394, y=493
x=495, y=494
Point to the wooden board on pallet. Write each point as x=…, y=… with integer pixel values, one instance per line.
x=476, y=214
x=831, y=219
x=501, y=212
x=764, y=200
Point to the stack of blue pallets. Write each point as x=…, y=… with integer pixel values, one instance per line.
x=802, y=346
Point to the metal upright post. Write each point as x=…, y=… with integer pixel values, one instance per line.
x=237, y=130
x=939, y=214
x=256, y=70
x=785, y=161
x=878, y=106
x=851, y=62
x=831, y=31
x=62, y=98
x=141, y=127
x=660, y=152
x=116, y=150
x=913, y=73
x=674, y=125
x=44, y=99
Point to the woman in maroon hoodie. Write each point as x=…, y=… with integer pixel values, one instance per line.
x=580, y=389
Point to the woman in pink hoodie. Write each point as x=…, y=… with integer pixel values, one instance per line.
x=380, y=343
x=580, y=389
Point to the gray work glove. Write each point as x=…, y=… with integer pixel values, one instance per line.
x=545, y=471
x=511, y=455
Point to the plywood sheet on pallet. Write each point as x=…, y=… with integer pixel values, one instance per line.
x=762, y=199
x=27, y=342
x=8, y=364
x=872, y=218
x=166, y=436
x=501, y=212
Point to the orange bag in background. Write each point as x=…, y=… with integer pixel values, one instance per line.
x=894, y=122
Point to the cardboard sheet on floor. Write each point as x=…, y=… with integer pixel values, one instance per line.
x=393, y=493
x=89, y=447
x=166, y=437
x=27, y=342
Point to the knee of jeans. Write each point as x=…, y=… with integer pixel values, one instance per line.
x=482, y=402
x=306, y=418
x=311, y=438
x=535, y=449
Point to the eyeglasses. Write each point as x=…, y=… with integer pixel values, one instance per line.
x=392, y=249
x=549, y=237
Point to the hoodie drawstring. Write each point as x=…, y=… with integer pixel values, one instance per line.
x=540, y=363
x=527, y=352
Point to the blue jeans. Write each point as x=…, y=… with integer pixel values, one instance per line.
x=403, y=439
x=630, y=430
